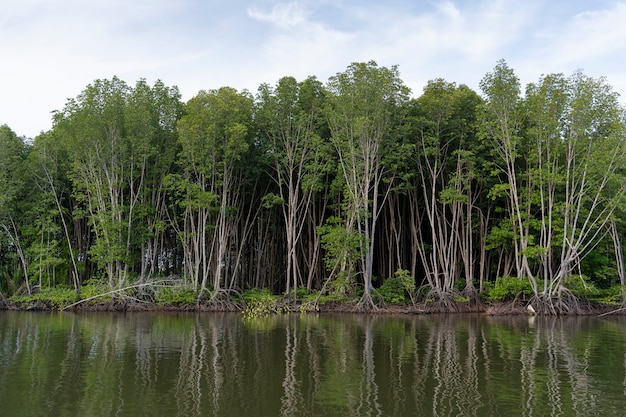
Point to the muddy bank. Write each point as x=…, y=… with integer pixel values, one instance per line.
x=487, y=308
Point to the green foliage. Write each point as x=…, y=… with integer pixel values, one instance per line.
x=306, y=297
x=303, y=179
x=302, y=292
x=270, y=200
x=507, y=288
x=581, y=286
x=615, y=295
x=54, y=297
x=342, y=287
x=501, y=234
x=95, y=288
x=9, y=278
x=600, y=267
x=13, y=152
x=585, y=288
x=175, y=295
x=343, y=249
x=398, y=289
x=393, y=291
x=407, y=280
x=262, y=302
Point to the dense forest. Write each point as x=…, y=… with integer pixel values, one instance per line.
x=340, y=188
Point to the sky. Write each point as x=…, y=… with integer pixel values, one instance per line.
x=51, y=50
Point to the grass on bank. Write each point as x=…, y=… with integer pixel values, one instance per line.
x=394, y=291
x=509, y=288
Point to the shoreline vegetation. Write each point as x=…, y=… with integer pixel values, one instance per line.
x=349, y=195
x=156, y=297
x=505, y=308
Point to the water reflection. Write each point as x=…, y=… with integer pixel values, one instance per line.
x=225, y=365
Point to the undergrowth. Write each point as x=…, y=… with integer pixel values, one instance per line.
x=263, y=302
x=177, y=296
x=53, y=297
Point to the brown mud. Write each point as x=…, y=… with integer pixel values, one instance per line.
x=486, y=308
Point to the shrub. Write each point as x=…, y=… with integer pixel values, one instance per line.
x=95, y=288
x=581, y=286
x=507, y=288
x=53, y=297
x=393, y=291
x=305, y=297
x=614, y=295
x=262, y=302
x=178, y=295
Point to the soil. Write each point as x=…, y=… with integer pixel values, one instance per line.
x=493, y=309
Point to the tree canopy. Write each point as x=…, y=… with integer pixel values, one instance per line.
x=341, y=188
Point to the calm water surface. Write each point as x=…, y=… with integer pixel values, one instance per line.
x=67, y=364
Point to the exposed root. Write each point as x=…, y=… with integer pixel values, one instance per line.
x=616, y=311
x=440, y=301
x=117, y=294
x=309, y=307
x=367, y=303
x=512, y=308
x=561, y=304
x=291, y=305
x=471, y=293
x=222, y=300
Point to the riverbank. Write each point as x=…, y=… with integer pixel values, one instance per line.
x=499, y=308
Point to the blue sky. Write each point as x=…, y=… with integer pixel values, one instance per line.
x=52, y=49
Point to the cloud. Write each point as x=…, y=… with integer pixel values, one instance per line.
x=52, y=49
x=296, y=44
x=282, y=15
x=589, y=35
x=453, y=40
x=592, y=39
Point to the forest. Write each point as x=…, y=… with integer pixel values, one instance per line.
x=350, y=190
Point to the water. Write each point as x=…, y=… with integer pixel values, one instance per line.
x=137, y=364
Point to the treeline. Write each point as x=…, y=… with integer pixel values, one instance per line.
x=335, y=187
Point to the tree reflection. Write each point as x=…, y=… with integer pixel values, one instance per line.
x=369, y=404
x=291, y=401
x=450, y=367
x=197, y=365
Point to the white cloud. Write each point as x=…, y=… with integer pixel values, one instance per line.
x=592, y=40
x=302, y=46
x=52, y=49
x=452, y=40
x=590, y=35
x=283, y=15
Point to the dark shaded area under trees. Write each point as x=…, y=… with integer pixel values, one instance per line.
x=349, y=190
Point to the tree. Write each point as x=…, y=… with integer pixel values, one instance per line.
x=114, y=134
x=578, y=131
x=151, y=116
x=364, y=102
x=501, y=125
x=13, y=202
x=562, y=162
x=289, y=116
x=50, y=168
x=94, y=125
x=444, y=199
x=214, y=136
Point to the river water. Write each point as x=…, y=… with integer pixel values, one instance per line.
x=66, y=364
